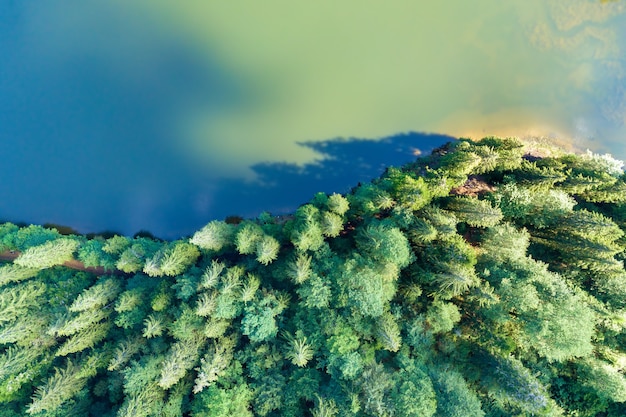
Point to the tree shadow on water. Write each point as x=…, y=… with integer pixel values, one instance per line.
x=282, y=187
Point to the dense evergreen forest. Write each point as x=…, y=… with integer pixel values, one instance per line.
x=486, y=279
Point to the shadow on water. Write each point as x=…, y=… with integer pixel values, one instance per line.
x=281, y=187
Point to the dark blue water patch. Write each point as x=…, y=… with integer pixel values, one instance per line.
x=192, y=201
x=282, y=187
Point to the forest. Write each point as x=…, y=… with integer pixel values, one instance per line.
x=486, y=279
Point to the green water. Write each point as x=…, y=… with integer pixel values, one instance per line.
x=323, y=69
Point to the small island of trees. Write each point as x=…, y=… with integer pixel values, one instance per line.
x=483, y=280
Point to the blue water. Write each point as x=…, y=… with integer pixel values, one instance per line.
x=96, y=100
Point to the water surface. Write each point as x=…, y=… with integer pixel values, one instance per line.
x=163, y=115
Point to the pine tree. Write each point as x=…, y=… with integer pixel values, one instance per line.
x=384, y=243
x=388, y=333
x=331, y=224
x=267, y=250
x=133, y=258
x=60, y=387
x=213, y=364
x=307, y=236
x=19, y=365
x=15, y=273
x=97, y=296
x=299, y=269
x=16, y=301
x=49, y=254
x=178, y=258
x=84, y=339
x=80, y=322
x=413, y=394
x=454, y=397
x=153, y=326
x=247, y=238
x=214, y=236
x=182, y=357
x=299, y=351
x=249, y=288
x=211, y=275
x=475, y=212
x=124, y=352
x=605, y=380
x=338, y=204
x=324, y=408
x=504, y=243
x=116, y=245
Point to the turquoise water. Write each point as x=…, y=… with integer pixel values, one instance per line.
x=161, y=116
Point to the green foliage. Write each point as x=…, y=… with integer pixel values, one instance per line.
x=91, y=253
x=513, y=386
x=398, y=299
x=324, y=408
x=369, y=199
x=213, y=365
x=299, y=269
x=7, y=234
x=214, y=236
x=388, y=333
x=178, y=258
x=21, y=239
x=454, y=396
x=267, y=250
x=299, y=352
x=441, y=317
x=306, y=234
x=133, y=258
x=315, y=293
x=405, y=189
x=448, y=266
x=605, y=381
x=46, y=255
x=248, y=237
x=84, y=339
x=384, y=244
x=17, y=300
x=475, y=212
x=443, y=222
x=364, y=288
x=499, y=154
x=504, y=243
x=557, y=320
x=332, y=224
x=182, y=357
x=123, y=353
x=116, y=245
x=15, y=273
x=540, y=208
x=338, y=204
x=96, y=296
x=231, y=398
x=60, y=387
x=259, y=322
x=413, y=393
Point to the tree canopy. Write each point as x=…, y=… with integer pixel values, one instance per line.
x=482, y=280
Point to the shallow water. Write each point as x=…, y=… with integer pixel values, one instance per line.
x=162, y=117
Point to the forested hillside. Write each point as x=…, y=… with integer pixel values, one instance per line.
x=484, y=280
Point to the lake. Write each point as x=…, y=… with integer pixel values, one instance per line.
x=162, y=115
